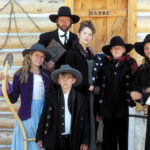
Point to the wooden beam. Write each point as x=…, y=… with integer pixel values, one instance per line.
x=132, y=24
x=70, y=3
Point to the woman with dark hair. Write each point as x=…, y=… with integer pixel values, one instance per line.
x=81, y=57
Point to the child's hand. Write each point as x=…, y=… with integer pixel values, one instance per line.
x=39, y=143
x=147, y=90
x=2, y=77
x=83, y=147
x=135, y=95
x=91, y=88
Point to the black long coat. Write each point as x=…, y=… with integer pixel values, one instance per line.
x=115, y=83
x=45, y=39
x=141, y=82
x=78, y=61
x=80, y=126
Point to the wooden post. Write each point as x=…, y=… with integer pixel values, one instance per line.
x=132, y=24
x=70, y=3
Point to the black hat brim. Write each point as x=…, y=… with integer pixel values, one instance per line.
x=139, y=48
x=75, y=73
x=74, y=18
x=106, y=49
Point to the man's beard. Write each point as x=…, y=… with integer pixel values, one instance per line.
x=63, y=29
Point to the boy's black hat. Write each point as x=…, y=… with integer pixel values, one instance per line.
x=116, y=41
x=64, y=11
x=36, y=47
x=66, y=69
x=139, y=46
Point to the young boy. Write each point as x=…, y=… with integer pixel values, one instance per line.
x=64, y=123
x=114, y=78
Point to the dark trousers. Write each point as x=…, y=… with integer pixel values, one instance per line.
x=63, y=143
x=115, y=133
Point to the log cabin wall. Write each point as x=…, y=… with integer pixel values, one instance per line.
x=31, y=18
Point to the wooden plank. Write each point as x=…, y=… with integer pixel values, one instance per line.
x=77, y=4
x=23, y=25
x=99, y=38
x=86, y=4
x=7, y=123
x=6, y=137
x=34, y=6
x=99, y=4
x=116, y=28
x=122, y=4
x=112, y=4
x=132, y=24
x=119, y=12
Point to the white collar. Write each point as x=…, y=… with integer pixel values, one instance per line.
x=60, y=32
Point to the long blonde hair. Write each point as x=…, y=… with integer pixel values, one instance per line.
x=26, y=66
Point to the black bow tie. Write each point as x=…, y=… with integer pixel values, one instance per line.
x=65, y=35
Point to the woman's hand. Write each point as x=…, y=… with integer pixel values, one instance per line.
x=39, y=143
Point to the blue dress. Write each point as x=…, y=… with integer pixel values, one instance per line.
x=31, y=124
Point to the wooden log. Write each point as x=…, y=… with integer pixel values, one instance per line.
x=7, y=123
x=34, y=6
x=4, y=106
x=143, y=24
x=24, y=24
x=5, y=148
x=13, y=41
x=143, y=5
x=6, y=137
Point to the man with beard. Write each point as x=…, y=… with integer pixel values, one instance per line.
x=64, y=19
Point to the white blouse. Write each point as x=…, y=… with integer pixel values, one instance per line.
x=38, y=87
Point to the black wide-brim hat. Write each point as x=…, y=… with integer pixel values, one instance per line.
x=139, y=46
x=37, y=47
x=66, y=69
x=64, y=11
x=116, y=41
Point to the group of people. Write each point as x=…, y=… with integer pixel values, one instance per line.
x=62, y=103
